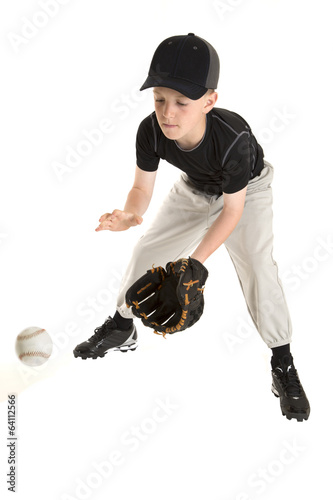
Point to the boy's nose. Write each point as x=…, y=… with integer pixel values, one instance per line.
x=168, y=111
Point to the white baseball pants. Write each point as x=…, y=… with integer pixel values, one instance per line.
x=180, y=224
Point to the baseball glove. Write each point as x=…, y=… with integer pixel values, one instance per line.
x=169, y=300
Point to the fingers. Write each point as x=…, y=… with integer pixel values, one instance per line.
x=118, y=220
x=101, y=227
x=108, y=216
x=104, y=217
x=110, y=224
x=104, y=221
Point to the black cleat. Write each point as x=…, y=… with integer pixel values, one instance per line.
x=287, y=386
x=107, y=337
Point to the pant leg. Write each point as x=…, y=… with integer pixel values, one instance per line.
x=177, y=229
x=250, y=247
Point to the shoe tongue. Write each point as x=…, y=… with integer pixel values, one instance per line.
x=283, y=364
x=285, y=369
x=289, y=369
x=286, y=363
x=100, y=331
x=110, y=323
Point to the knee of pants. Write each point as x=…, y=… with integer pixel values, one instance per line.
x=260, y=260
x=255, y=264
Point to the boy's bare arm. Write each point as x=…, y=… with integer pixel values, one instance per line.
x=139, y=197
x=137, y=202
x=223, y=226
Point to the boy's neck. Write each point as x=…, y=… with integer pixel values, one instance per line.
x=192, y=141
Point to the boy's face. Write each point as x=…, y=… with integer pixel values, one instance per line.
x=180, y=118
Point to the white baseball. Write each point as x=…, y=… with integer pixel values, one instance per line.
x=33, y=346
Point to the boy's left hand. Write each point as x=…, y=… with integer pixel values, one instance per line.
x=118, y=220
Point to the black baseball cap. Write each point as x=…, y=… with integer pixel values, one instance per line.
x=186, y=63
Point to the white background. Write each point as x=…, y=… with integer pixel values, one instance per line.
x=223, y=436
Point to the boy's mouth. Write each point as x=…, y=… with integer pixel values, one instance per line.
x=167, y=125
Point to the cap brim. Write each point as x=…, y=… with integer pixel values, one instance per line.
x=190, y=90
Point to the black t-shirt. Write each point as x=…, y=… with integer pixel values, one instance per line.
x=225, y=160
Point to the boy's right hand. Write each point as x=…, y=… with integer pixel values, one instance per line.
x=118, y=220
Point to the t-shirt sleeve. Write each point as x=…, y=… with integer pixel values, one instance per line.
x=236, y=169
x=146, y=157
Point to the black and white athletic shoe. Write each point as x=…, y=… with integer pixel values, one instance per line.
x=107, y=337
x=286, y=385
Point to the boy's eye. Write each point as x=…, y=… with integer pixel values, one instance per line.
x=179, y=103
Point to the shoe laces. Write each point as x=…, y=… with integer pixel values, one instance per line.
x=289, y=377
x=108, y=325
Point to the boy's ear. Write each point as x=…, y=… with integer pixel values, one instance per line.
x=210, y=101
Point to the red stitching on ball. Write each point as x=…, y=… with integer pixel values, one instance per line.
x=30, y=335
x=35, y=353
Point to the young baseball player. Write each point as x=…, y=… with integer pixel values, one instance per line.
x=223, y=196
